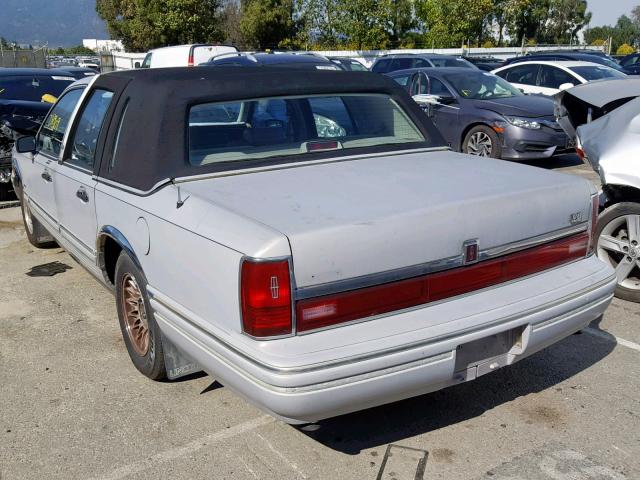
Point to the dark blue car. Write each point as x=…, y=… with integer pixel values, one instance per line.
x=481, y=114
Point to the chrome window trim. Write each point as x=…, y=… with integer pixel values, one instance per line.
x=434, y=266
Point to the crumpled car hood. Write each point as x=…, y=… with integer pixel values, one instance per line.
x=612, y=145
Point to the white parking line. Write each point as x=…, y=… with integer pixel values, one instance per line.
x=609, y=336
x=187, y=449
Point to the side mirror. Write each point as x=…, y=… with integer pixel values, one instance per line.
x=447, y=100
x=566, y=86
x=136, y=65
x=26, y=145
x=426, y=99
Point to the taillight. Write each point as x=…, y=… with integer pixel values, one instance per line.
x=595, y=207
x=321, y=312
x=579, y=150
x=265, y=291
x=190, y=62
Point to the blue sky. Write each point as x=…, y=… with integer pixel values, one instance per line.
x=606, y=12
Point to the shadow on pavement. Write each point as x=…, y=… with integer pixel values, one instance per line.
x=394, y=422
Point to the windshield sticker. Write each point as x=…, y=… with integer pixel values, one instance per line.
x=466, y=93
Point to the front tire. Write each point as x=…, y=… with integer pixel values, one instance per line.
x=140, y=332
x=482, y=141
x=618, y=244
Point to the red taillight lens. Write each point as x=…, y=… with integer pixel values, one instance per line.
x=580, y=153
x=190, y=62
x=595, y=208
x=319, y=312
x=265, y=290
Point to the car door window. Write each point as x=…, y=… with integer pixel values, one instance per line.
x=401, y=63
x=381, y=66
x=524, y=74
x=421, y=63
x=85, y=136
x=402, y=79
x=553, y=77
x=436, y=87
x=52, y=132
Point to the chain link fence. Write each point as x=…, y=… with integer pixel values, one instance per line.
x=23, y=58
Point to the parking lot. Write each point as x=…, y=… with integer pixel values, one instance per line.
x=73, y=405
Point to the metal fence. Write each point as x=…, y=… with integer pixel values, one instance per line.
x=23, y=58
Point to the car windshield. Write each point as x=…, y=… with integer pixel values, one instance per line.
x=33, y=87
x=481, y=86
x=605, y=61
x=294, y=126
x=593, y=72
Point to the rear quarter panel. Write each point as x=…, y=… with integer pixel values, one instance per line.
x=189, y=268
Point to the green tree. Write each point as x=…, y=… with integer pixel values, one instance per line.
x=563, y=20
x=624, y=31
x=147, y=24
x=267, y=23
x=450, y=23
x=361, y=24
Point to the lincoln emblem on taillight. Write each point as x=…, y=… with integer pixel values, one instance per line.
x=470, y=251
x=274, y=287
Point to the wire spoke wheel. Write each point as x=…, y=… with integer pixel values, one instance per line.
x=618, y=246
x=135, y=315
x=480, y=144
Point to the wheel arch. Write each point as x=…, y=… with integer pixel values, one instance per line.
x=110, y=243
x=613, y=193
x=468, y=128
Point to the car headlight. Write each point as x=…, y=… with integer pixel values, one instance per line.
x=523, y=123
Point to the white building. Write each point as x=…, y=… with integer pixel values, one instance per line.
x=103, y=45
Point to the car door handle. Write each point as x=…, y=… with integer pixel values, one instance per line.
x=82, y=195
x=46, y=176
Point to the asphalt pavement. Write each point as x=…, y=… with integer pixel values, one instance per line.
x=72, y=406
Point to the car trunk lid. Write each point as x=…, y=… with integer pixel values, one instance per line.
x=350, y=219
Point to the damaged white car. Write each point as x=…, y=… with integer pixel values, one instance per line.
x=604, y=119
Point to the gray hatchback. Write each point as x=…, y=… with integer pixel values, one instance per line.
x=481, y=114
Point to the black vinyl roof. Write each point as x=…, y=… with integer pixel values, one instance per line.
x=153, y=143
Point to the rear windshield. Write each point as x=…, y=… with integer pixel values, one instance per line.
x=32, y=88
x=591, y=73
x=295, y=126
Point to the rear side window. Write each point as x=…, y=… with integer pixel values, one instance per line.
x=295, y=126
x=381, y=66
x=402, y=79
x=524, y=74
x=53, y=129
x=85, y=137
x=436, y=87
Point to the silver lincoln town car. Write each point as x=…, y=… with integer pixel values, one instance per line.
x=305, y=236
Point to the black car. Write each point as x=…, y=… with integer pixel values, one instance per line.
x=631, y=63
x=393, y=62
x=349, y=64
x=579, y=56
x=240, y=59
x=481, y=114
x=24, y=96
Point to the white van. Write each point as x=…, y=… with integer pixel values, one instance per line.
x=183, y=55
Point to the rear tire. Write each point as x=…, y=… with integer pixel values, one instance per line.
x=37, y=235
x=482, y=141
x=140, y=332
x=619, y=246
